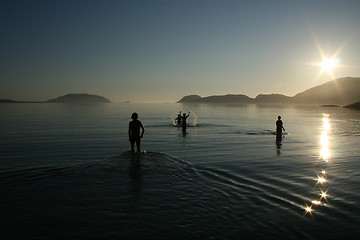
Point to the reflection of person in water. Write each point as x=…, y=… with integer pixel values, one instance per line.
x=178, y=119
x=278, y=143
x=134, y=132
x=183, y=122
x=135, y=173
x=279, y=126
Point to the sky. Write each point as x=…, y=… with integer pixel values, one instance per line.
x=160, y=51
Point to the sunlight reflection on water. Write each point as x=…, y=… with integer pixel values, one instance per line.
x=324, y=155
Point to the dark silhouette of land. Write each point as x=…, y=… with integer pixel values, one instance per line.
x=330, y=105
x=13, y=101
x=69, y=98
x=353, y=106
x=272, y=98
x=79, y=98
x=340, y=91
x=191, y=98
x=218, y=99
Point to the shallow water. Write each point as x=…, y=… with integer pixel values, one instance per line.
x=66, y=173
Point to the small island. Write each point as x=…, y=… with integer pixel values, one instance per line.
x=14, y=101
x=329, y=105
x=9, y=101
x=68, y=98
x=79, y=98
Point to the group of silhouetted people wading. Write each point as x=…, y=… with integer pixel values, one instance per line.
x=136, y=129
x=181, y=121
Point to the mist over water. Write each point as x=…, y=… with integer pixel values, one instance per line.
x=66, y=172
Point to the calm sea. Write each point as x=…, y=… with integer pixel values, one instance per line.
x=66, y=172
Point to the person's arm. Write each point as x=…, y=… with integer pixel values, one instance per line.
x=188, y=114
x=142, y=130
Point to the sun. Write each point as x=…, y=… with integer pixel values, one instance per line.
x=328, y=64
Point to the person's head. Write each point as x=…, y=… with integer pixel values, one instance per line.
x=279, y=117
x=134, y=116
x=184, y=114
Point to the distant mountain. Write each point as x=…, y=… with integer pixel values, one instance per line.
x=272, y=98
x=228, y=98
x=13, y=101
x=217, y=99
x=79, y=98
x=190, y=98
x=69, y=98
x=341, y=91
x=353, y=106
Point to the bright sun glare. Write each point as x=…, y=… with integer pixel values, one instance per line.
x=328, y=64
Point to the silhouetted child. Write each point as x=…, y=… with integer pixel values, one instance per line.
x=279, y=126
x=134, y=132
x=178, y=119
x=183, y=122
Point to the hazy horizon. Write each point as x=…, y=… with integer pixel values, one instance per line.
x=160, y=51
x=126, y=101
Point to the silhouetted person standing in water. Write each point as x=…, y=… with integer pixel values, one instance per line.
x=279, y=126
x=134, y=132
x=183, y=122
x=178, y=119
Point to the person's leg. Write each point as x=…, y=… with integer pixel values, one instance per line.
x=138, y=142
x=132, y=142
